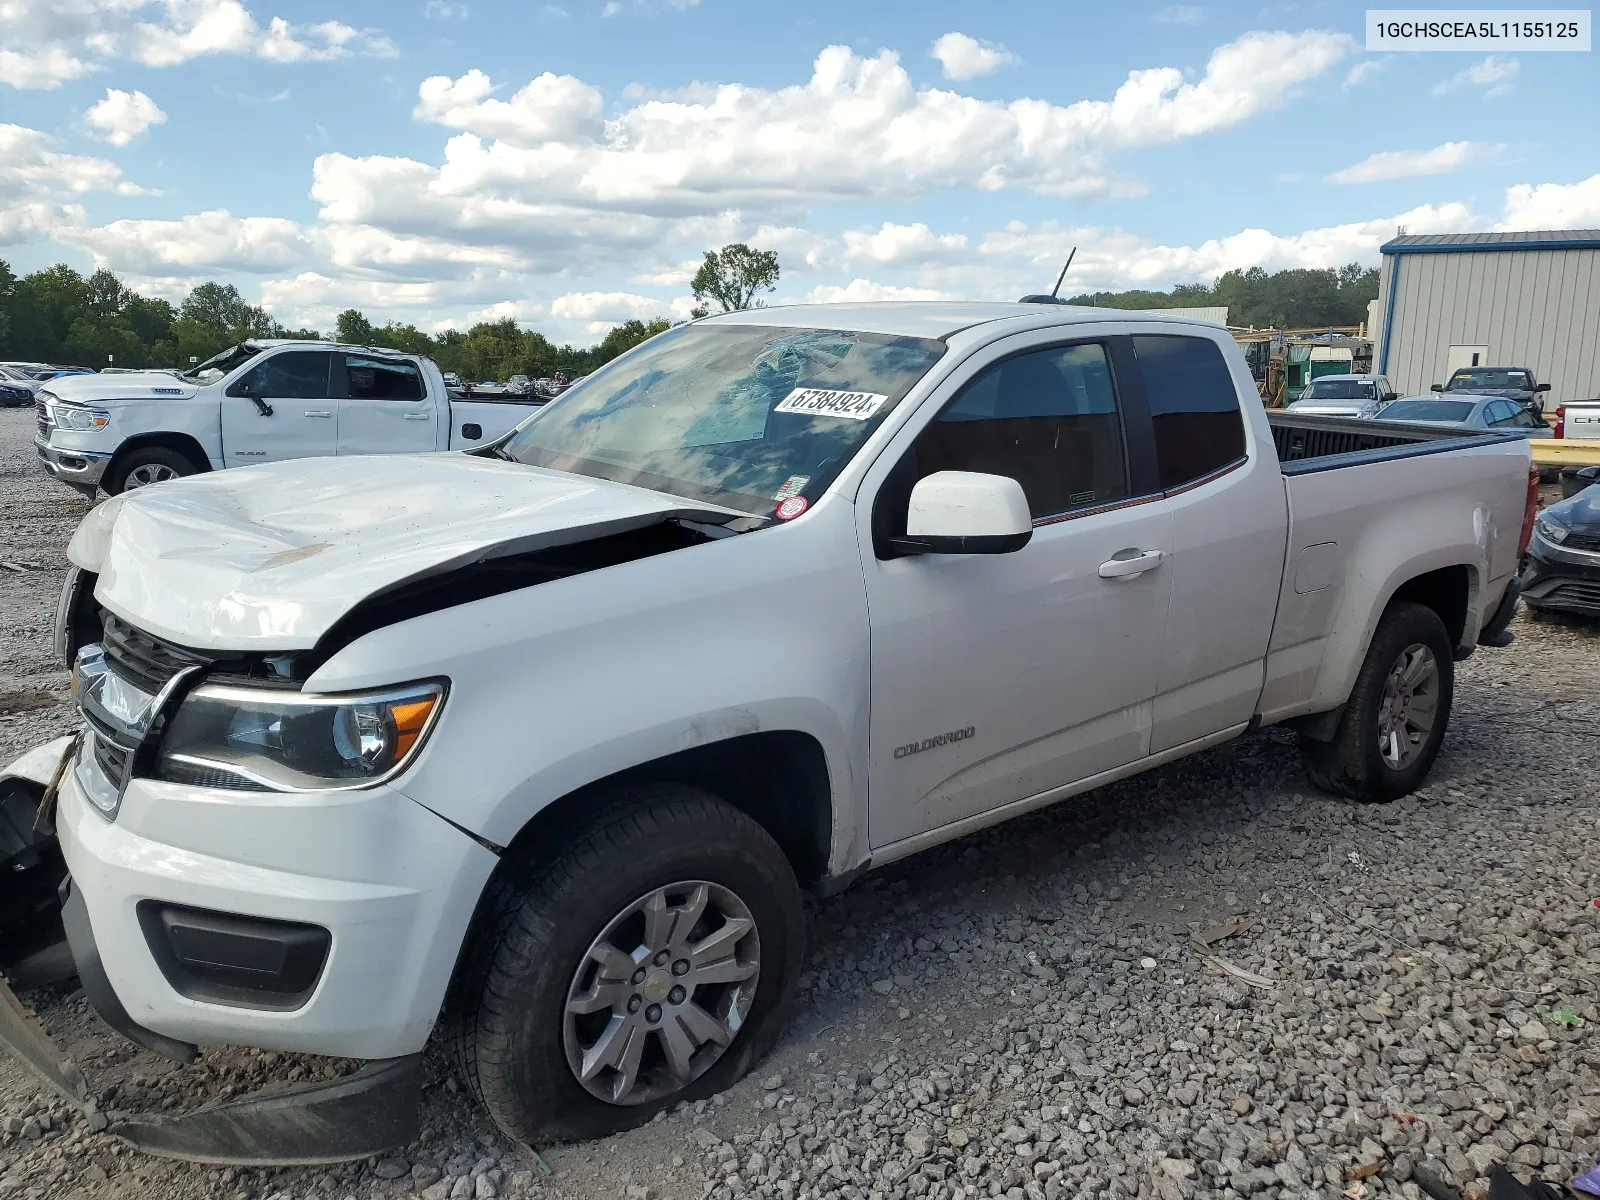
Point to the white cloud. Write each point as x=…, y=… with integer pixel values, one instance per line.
x=859, y=291
x=858, y=128
x=1553, y=205
x=1179, y=14
x=201, y=242
x=44, y=42
x=438, y=10
x=676, y=276
x=1407, y=164
x=47, y=68
x=615, y=307
x=963, y=57
x=1494, y=74
x=123, y=116
x=517, y=310
x=898, y=244
x=552, y=108
x=1361, y=72
x=40, y=186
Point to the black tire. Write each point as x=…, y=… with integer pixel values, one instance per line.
x=157, y=458
x=512, y=991
x=1353, y=764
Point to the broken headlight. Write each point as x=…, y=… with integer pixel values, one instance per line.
x=256, y=739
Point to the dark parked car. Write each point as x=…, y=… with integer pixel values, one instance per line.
x=16, y=389
x=1489, y=413
x=1514, y=383
x=1562, y=567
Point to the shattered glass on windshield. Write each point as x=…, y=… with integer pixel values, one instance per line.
x=700, y=411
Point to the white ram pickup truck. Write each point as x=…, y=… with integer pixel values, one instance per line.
x=546, y=739
x=260, y=401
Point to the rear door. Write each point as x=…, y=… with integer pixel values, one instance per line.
x=999, y=677
x=387, y=408
x=282, y=407
x=1230, y=523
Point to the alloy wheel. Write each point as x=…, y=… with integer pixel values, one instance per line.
x=147, y=473
x=1409, y=705
x=662, y=993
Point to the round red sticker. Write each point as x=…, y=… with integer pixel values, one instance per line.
x=791, y=508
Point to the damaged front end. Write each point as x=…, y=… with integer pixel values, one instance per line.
x=340, y=1120
x=353, y=1117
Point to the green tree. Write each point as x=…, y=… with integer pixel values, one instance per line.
x=732, y=277
x=8, y=283
x=1295, y=298
x=352, y=326
x=628, y=335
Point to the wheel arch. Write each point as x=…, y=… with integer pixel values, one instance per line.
x=185, y=444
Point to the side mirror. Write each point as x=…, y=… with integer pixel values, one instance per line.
x=1437, y=387
x=1389, y=397
x=966, y=512
x=1543, y=387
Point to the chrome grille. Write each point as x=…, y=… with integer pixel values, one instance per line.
x=113, y=763
x=1581, y=541
x=42, y=412
x=142, y=659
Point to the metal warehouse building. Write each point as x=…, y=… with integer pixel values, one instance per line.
x=1492, y=299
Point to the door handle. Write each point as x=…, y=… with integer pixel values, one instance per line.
x=319, y=412
x=417, y=417
x=1137, y=564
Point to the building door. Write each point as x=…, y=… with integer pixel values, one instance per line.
x=1465, y=356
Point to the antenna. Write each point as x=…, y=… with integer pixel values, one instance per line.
x=1055, y=291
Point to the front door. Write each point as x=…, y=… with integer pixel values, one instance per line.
x=997, y=677
x=282, y=407
x=386, y=409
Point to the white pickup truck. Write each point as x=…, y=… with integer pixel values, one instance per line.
x=260, y=401
x=547, y=738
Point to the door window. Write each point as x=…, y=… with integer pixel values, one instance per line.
x=1500, y=413
x=382, y=379
x=1047, y=419
x=1194, y=406
x=295, y=375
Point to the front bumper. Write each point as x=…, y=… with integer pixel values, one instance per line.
x=81, y=469
x=393, y=884
x=1557, y=578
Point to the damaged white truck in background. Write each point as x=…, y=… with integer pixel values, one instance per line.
x=264, y=400
x=543, y=741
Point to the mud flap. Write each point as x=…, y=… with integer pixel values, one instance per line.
x=374, y=1110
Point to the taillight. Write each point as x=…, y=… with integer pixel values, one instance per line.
x=1561, y=421
x=1530, y=511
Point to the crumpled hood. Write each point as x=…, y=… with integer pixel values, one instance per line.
x=141, y=385
x=1581, y=511
x=269, y=557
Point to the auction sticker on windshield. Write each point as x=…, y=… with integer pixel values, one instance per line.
x=822, y=402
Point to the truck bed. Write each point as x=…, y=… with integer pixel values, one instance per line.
x=1307, y=444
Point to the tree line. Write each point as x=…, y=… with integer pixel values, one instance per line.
x=59, y=316
x=1298, y=298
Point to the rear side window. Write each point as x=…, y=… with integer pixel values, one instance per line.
x=1193, y=406
x=382, y=379
x=295, y=375
x=1048, y=419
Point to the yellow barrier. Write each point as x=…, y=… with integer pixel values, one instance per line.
x=1566, y=452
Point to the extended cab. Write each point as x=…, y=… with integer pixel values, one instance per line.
x=260, y=401
x=549, y=737
x=1514, y=383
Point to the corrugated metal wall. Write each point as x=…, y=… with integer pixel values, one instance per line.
x=1531, y=308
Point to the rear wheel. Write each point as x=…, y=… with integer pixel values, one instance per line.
x=146, y=465
x=1395, y=719
x=651, y=960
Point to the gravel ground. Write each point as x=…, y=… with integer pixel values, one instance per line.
x=1025, y=1013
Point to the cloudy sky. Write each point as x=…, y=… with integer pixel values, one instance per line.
x=437, y=161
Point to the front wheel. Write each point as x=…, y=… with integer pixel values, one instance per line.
x=650, y=961
x=144, y=466
x=1395, y=719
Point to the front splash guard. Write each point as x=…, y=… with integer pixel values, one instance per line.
x=341, y=1120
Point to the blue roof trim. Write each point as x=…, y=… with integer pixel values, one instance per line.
x=1489, y=247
